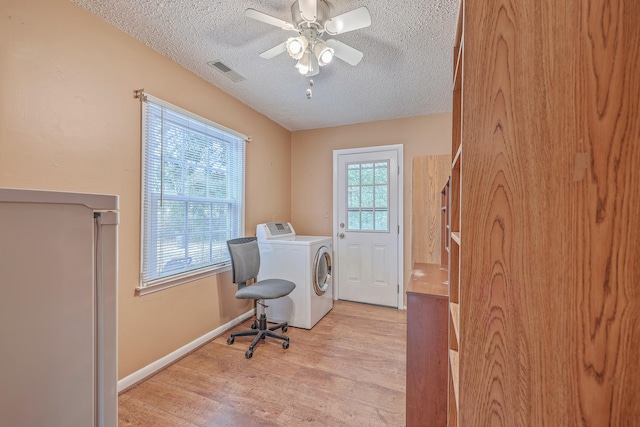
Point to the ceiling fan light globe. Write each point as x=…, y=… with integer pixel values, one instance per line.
x=304, y=63
x=302, y=69
x=313, y=72
x=326, y=57
x=296, y=46
x=323, y=53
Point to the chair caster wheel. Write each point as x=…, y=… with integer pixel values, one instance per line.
x=254, y=325
x=285, y=344
x=285, y=328
x=249, y=354
x=230, y=340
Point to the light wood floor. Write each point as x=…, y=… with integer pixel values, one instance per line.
x=349, y=370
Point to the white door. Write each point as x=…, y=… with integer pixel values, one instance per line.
x=367, y=214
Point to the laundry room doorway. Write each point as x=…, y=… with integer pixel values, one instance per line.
x=367, y=213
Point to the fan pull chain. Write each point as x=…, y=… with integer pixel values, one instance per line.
x=309, y=93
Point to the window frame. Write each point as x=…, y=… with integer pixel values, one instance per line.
x=179, y=278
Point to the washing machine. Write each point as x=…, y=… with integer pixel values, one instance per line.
x=304, y=260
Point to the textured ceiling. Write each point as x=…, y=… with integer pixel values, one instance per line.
x=405, y=72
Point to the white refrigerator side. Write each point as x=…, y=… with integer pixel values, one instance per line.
x=57, y=310
x=107, y=302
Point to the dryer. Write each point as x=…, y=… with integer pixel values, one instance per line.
x=304, y=260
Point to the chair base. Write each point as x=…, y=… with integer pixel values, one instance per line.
x=261, y=331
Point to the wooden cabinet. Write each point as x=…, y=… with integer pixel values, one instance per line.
x=427, y=306
x=453, y=222
x=545, y=190
x=427, y=333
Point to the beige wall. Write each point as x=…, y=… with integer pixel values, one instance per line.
x=69, y=122
x=312, y=165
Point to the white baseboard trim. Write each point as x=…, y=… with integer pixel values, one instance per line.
x=154, y=367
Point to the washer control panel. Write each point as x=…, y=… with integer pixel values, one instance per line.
x=274, y=230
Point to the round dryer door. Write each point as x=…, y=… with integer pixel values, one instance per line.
x=322, y=271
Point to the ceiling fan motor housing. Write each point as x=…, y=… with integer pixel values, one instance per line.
x=322, y=15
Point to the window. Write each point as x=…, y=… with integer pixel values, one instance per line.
x=192, y=195
x=367, y=196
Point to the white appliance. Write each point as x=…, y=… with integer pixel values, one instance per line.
x=58, y=324
x=304, y=260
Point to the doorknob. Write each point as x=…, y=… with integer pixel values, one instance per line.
x=341, y=235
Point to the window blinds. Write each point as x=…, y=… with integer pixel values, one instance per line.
x=192, y=192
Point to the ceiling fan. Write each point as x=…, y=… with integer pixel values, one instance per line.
x=310, y=19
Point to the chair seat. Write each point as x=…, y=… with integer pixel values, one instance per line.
x=266, y=289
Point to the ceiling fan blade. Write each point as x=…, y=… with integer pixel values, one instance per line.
x=268, y=19
x=345, y=52
x=274, y=51
x=309, y=10
x=349, y=21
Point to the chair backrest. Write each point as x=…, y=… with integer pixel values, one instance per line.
x=245, y=259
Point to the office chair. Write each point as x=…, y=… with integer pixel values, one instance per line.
x=245, y=263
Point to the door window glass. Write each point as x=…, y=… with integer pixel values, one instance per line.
x=368, y=196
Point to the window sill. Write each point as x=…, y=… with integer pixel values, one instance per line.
x=179, y=279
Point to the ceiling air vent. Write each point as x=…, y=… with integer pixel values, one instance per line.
x=228, y=72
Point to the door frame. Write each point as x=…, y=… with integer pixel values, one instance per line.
x=336, y=153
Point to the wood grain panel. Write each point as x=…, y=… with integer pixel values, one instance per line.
x=549, y=284
x=429, y=174
x=510, y=299
x=607, y=227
